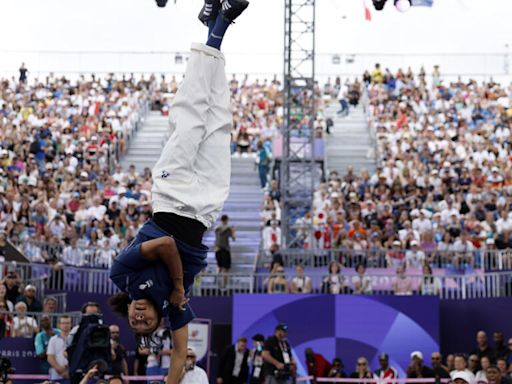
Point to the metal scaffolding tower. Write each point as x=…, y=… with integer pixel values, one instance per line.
x=299, y=172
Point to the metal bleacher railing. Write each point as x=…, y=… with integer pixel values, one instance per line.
x=458, y=284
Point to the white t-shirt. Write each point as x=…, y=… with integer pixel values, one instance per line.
x=57, y=346
x=24, y=327
x=195, y=376
x=365, y=281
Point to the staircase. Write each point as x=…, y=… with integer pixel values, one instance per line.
x=350, y=141
x=243, y=209
x=147, y=143
x=243, y=204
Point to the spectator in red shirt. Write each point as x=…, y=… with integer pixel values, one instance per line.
x=317, y=365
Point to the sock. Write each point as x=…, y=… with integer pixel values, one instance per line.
x=218, y=31
x=211, y=25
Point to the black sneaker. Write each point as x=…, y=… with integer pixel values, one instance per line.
x=231, y=9
x=210, y=11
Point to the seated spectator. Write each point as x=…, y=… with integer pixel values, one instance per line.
x=5, y=321
x=440, y=370
x=50, y=305
x=3, y=298
x=316, y=364
x=385, y=371
x=429, y=285
x=395, y=257
x=362, y=370
x=361, y=282
x=334, y=283
x=417, y=369
x=480, y=377
x=300, y=283
x=415, y=257
x=502, y=365
x=12, y=284
x=277, y=282
x=473, y=364
x=402, y=284
x=336, y=370
x=29, y=298
x=494, y=376
x=461, y=366
x=23, y=325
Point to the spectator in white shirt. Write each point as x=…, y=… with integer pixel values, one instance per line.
x=415, y=257
x=192, y=374
x=23, y=325
x=362, y=283
x=463, y=249
x=422, y=224
x=271, y=235
x=56, y=352
x=460, y=366
x=97, y=210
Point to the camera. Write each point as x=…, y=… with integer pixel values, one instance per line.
x=283, y=374
x=5, y=369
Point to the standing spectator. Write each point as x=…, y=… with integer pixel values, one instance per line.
x=141, y=359
x=473, y=364
x=317, y=365
x=256, y=360
x=23, y=325
x=23, y=73
x=233, y=365
x=119, y=364
x=192, y=374
x=12, y=285
x=385, y=371
x=415, y=257
x=300, y=283
x=503, y=367
x=342, y=99
x=271, y=235
x=440, y=371
x=56, y=352
x=417, y=369
x=263, y=159
x=500, y=348
x=29, y=298
x=42, y=340
x=223, y=233
x=362, y=283
x=362, y=370
x=402, y=284
x=277, y=356
x=5, y=321
x=483, y=348
x=460, y=365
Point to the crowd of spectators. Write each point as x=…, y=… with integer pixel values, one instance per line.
x=485, y=364
x=441, y=192
x=59, y=183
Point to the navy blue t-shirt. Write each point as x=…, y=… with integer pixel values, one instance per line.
x=145, y=279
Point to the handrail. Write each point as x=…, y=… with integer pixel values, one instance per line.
x=465, y=285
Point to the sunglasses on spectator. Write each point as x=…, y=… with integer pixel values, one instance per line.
x=436, y=358
x=361, y=363
x=191, y=357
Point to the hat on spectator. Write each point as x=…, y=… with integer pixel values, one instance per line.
x=397, y=242
x=132, y=202
x=258, y=337
x=282, y=327
x=489, y=241
x=446, y=164
x=383, y=356
x=82, y=139
x=415, y=212
x=94, y=138
x=413, y=243
x=29, y=287
x=121, y=191
x=84, y=174
x=335, y=195
x=417, y=355
x=76, y=194
x=495, y=169
x=462, y=375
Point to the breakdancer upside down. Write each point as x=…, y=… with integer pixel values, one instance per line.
x=190, y=185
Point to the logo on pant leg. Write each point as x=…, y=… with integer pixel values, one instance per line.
x=165, y=174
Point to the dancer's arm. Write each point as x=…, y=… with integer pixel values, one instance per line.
x=165, y=249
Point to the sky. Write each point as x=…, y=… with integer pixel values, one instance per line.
x=34, y=30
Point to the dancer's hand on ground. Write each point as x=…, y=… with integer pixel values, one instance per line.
x=178, y=298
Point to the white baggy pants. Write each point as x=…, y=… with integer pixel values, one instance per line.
x=192, y=176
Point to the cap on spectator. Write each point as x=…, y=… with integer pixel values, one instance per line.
x=417, y=355
x=82, y=139
x=132, y=202
x=84, y=174
x=415, y=212
x=397, y=242
x=446, y=164
x=383, y=356
x=495, y=169
x=29, y=287
x=335, y=195
x=413, y=243
x=121, y=191
x=94, y=138
x=282, y=327
x=489, y=241
x=76, y=194
x=461, y=375
x=191, y=351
